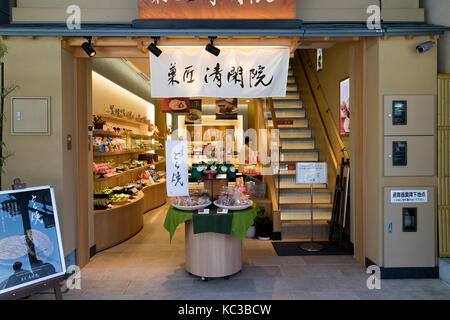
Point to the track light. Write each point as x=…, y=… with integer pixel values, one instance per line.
x=210, y=47
x=153, y=48
x=87, y=47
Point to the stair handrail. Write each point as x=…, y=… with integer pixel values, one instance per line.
x=272, y=190
x=333, y=132
x=275, y=126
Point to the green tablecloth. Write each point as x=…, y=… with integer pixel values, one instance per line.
x=241, y=221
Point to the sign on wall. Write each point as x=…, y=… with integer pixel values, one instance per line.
x=217, y=9
x=30, y=241
x=311, y=173
x=259, y=73
x=409, y=196
x=177, y=168
x=344, y=109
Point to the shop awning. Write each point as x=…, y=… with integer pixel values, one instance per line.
x=248, y=28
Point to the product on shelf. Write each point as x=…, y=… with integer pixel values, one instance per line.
x=191, y=201
x=120, y=198
x=101, y=204
x=233, y=197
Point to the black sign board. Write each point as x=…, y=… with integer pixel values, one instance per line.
x=399, y=113
x=30, y=240
x=399, y=150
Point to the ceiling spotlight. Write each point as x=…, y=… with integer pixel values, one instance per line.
x=210, y=47
x=153, y=48
x=87, y=47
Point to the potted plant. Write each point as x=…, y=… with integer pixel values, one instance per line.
x=98, y=122
x=264, y=225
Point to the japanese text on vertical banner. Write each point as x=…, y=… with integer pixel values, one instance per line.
x=234, y=73
x=177, y=168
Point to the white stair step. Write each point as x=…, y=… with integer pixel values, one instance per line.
x=297, y=144
x=290, y=114
x=304, y=196
x=302, y=230
x=304, y=214
x=291, y=185
x=289, y=96
x=293, y=157
x=288, y=104
x=295, y=133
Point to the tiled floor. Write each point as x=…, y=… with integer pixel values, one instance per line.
x=149, y=267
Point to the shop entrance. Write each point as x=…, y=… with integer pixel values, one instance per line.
x=258, y=112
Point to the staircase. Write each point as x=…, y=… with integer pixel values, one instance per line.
x=298, y=145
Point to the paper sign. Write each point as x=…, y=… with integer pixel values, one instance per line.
x=222, y=211
x=177, y=179
x=312, y=173
x=409, y=196
x=257, y=73
x=204, y=211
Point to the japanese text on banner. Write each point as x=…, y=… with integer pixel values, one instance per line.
x=177, y=168
x=234, y=73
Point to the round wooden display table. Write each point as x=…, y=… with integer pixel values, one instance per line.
x=212, y=255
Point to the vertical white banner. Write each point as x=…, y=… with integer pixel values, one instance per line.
x=194, y=72
x=177, y=168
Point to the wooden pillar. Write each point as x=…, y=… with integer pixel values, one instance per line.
x=82, y=147
x=359, y=152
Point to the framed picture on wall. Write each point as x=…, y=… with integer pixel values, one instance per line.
x=175, y=105
x=227, y=109
x=344, y=106
x=195, y=113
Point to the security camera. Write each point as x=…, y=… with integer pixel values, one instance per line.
x=424, y=47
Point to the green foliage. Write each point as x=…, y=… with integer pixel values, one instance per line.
x=3, y=49
x=262, y=218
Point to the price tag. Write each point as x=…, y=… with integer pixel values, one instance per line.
x=134, y=190
x=222, y=211
x=204, y=211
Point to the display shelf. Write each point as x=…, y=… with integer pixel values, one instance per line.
x=130, y=171
x=122, y=119
x=140, y=136
x=103, y=154
x=102, y=133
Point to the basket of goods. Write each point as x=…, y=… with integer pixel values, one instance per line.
x=255, y=188
x=233, y=199
x=119, y=199
x=101, y=204
x=117, y=190
x=102, y=194
x=191, y=203
x=98, y=123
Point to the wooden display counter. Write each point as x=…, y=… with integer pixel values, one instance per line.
x=155, y=196
x=119, y=223
x=211, y=255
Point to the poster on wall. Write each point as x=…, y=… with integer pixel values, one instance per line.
x=192, y=72
x=30, y=241
x=195, y=113
x=177, y=168
x=217, y=9
x=175, y=105
x=344, y=108
x=227, y=109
